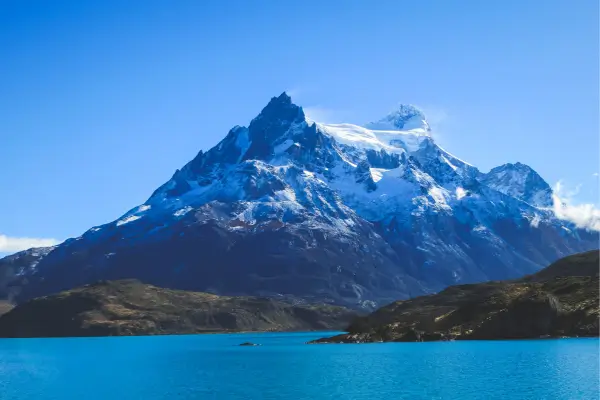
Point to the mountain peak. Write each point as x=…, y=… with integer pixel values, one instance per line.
x=404, y=117
x=520, y=181
x=517, y=167
x=273, y=122
x=282, y=109
x=285, y=97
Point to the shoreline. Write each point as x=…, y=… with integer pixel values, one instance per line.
x=166, y=334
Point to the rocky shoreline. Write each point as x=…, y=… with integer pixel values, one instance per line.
x=560, y=301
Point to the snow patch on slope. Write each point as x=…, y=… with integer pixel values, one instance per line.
x=460, y=193
x=391, y=141
x=127, y=220
x=182, y=211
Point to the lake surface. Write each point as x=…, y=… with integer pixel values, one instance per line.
x=214, y=367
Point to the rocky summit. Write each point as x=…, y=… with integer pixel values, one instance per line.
x=288, y=207
x=559, y=301
x=128, y=307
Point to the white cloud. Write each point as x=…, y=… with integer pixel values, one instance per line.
x=595, y=174
x=438, y=120
x=13, y=244
x=582, y=215
x=300, y=92
x=436, y=116
x=317, y=114
x=294, y=93
x=323, y=114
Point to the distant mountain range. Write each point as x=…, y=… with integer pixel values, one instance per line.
x=353, y=215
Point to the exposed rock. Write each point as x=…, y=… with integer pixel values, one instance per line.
x=559, y=301
x=128, y=307
x=249, y=344
x=5, y=307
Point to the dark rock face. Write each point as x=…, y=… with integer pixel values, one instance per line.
x=15, y=267
x=207, y=256
x=271, y=124
x=527, y=317
x=561, y=300
x=128, y=307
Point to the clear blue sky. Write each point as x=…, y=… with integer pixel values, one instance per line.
x=100, y=101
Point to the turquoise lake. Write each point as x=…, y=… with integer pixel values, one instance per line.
x=214, y=367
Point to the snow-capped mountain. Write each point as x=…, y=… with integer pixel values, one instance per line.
x=331, y=212
x=521, y=182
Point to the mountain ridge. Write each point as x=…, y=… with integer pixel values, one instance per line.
x=559, y=301
x=333, y=212
x=129, y=307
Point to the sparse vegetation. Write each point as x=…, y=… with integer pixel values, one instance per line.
x=561, y=300
x=128, y=307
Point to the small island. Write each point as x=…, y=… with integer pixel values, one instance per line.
x=559, y=301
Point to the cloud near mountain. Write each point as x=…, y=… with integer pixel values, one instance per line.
x=10, y=244
x=586, y=216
